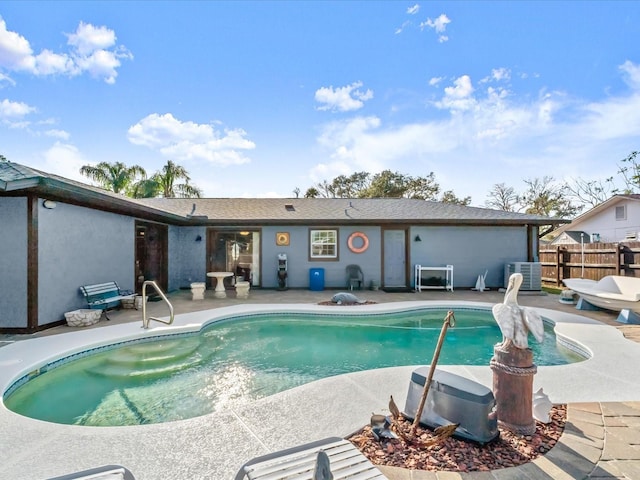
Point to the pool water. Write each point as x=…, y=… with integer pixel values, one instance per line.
x=234, y=362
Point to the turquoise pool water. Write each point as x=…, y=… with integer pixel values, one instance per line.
x=237, y=361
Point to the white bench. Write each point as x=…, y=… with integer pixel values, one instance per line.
x=346, y=462
x=107, y=472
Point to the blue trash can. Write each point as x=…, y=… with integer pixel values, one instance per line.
x=316, y=279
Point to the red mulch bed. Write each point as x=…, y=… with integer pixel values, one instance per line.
x=508, y=450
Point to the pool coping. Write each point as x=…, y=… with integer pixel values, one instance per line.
x=277, y=421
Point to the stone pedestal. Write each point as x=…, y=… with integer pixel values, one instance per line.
x=242, y=289
x=138, y=301
x=513, y=371
x=197, y=290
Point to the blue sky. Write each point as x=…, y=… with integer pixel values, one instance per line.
x=258, y=98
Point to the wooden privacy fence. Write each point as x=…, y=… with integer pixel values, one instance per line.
x=596, y=261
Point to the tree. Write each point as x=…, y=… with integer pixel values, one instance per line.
x=544, y=197
x=386, y=184
x=450, y=197
x=351, y=186
x=166, y=180
x=630, y=172
x=115, y=177
x=503, y=198
x=592, y=192
x=311, y=192
x=145, y=188
x=3, y=158
x=424, y=188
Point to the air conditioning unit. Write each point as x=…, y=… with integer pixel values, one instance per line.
x=531, y=275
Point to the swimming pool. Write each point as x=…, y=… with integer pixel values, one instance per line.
x=236, y=361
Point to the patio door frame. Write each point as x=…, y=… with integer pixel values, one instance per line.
x=215, y=253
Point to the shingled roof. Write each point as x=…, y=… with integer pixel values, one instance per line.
x=15, y=178
x=337, y=211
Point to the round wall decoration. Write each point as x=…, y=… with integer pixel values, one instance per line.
x=358, y=242
x=282, y=239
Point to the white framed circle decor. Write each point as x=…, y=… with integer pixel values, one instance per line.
x=282, y=239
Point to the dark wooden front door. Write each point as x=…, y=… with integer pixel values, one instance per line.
x=152, y=245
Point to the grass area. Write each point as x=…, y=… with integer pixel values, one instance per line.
x=552, y=290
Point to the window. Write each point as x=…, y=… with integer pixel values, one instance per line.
x=621, y=213
x=323, y=243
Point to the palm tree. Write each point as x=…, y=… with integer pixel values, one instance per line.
x=115, y=177
x=145, y=188
x=167, y=178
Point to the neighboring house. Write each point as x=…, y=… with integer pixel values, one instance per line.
x=57, y=235
x=615, y=220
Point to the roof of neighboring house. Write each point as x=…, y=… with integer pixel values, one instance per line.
x=18, y=179
x=573, y=226
x=577, y=236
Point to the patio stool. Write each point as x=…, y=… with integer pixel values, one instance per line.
x=197, y=290
x=242, y=289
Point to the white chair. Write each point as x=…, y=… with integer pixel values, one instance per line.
x=305, y=462
x=106, y=472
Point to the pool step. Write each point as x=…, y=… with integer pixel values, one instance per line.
x=151, y=359
x=139, y=370
x=157, y=352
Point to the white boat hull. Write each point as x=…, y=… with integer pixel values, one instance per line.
x=613, y=292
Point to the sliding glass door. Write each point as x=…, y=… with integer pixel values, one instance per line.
x=236, y=251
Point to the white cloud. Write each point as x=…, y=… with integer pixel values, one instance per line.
x=49, y=63
x=459, y=96
x=55, y=133
x=631, y=73
x=439, y=25
x=413, y=10
x=14, y=110
x=498, y=75
x=65, y=160
x=188, y=140
x=401, y=28
x=93, y=50
x=491, y=136
x=15, y=51
x=87, y=39
x=435, y=81
x=343, y=99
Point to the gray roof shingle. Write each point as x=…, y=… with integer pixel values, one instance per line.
x=14, y=177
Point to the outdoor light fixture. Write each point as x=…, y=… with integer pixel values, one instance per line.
x=50, y=204
x=417, y=239
x=199, y=238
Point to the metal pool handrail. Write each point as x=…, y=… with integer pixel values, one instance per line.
x=145, y=320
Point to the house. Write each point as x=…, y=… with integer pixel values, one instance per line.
x=615, y=220
x=58, y=234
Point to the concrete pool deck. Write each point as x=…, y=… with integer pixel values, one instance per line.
x=600, y=440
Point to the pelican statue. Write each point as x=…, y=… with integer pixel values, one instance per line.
x=516, y=322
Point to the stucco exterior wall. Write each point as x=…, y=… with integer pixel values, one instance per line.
x=13, y=262
x=471, y=250
x=299, y=264
x=80, y=246
x=187, y=257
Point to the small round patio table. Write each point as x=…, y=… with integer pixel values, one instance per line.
x=219, y=291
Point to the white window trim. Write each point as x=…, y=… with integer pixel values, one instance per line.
x=334, y=243
x=624, y=212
